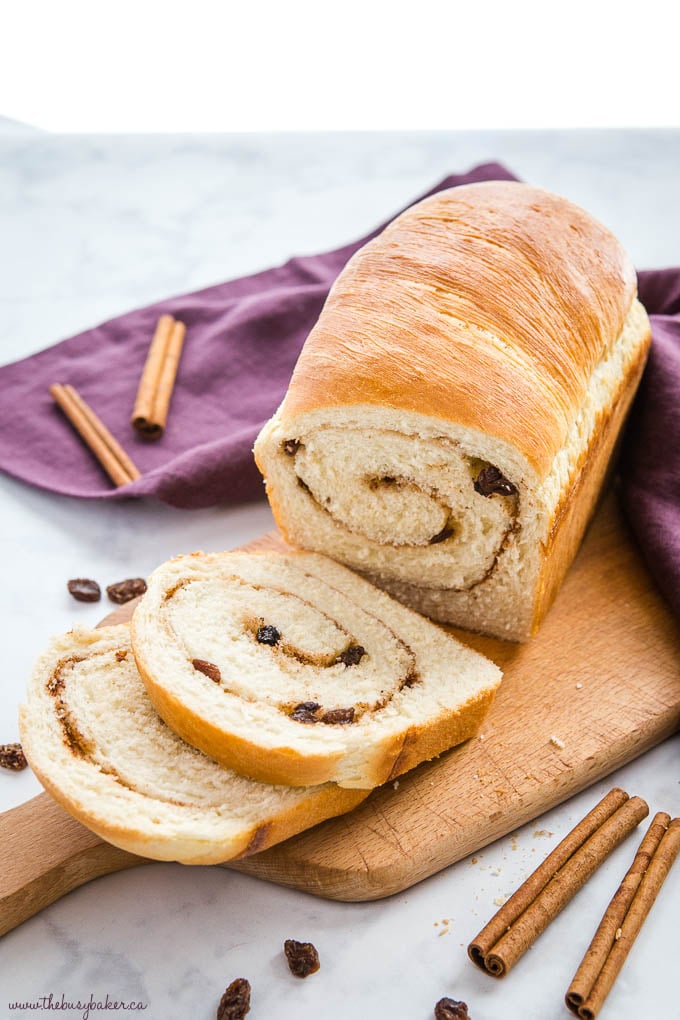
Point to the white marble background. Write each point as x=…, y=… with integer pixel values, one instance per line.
x=92, y=226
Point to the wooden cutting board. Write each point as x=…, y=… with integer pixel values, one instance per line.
x=598, y=685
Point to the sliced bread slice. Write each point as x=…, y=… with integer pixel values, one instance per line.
x=92, y=737
x=289, y=668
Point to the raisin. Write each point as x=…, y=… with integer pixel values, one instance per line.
x=84, y=590
x=451, y=1009
x=208, y=668
x=441, y=536
x=305, y=712
x=235, y=1002
x=338, y=715
x=291, y=447
x=12, y=757
x=352, y=656
x=123, y=591
x=491, y=482
x=121, y=655
x=268, y=635
x=302, y=957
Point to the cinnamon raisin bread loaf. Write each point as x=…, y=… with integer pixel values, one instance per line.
x=292, y=669
x=94, y=740
x=450, y=420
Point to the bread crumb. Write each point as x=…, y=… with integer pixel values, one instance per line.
x=476, y=775
x=558, y=743
x=618, y=934
x=395, y=784
x=482, y=736
x=579, y=686
x=500, y=900
x=496, y=871
x=543, y=832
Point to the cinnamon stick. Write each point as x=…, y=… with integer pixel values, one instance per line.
x=152, y=403
x=95, y=435
x=552, y=885
x=624, y=917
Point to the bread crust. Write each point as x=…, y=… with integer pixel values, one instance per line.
x=577, y=504
x=488, y=304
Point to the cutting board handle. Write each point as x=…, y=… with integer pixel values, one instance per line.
x=46, y=854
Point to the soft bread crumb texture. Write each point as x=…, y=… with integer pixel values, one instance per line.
x=414, y=692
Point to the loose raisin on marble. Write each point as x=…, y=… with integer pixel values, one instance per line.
x=305, y=712
x=235, y=1003
x=302, y=957
x=268, y=635
x=451, y=1009
x=208, y=668
x=123, y=591
x=12, y=757
x=340, y=716
x=490, y=482
x=83, y=589
x=352, y=656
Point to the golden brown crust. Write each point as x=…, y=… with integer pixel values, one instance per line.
x=488, y=304
x=577, y=504
x=442, y=735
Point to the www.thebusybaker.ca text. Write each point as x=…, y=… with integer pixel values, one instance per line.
x=82, y=1006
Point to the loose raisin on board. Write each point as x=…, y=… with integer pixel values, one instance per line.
x=268, y=635
x=340, y=716
x=305, y=712
x=491, y=482
x=84, y=590
x=123, y=591
x=12, y=757
x=352, y=656
x=302, y=957
x=451, y=1009
x=235, y=1002
x=208, y=668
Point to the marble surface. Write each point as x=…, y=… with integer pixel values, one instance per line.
x=92, y=226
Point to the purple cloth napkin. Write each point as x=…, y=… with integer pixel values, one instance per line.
x=650, y=461
x=243, y=338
